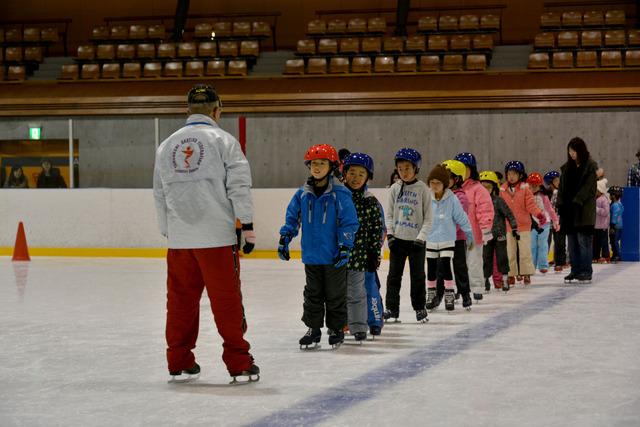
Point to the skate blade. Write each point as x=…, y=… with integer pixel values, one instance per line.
x=315, y=346
x=183, y=378
x=468, y=308
x=244, y=379
x=336, y=346
x=393, y=321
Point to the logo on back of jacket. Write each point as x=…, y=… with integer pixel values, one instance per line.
x=406, y=205
x=187, y=156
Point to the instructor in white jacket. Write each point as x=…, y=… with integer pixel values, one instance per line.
x=201, y=184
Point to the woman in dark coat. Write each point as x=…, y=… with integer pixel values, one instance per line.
x=577, y=208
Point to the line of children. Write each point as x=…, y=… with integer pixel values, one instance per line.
x=540, y=240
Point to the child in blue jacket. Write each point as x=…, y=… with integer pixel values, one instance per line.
x=447, y=212
x=325, y=210
x=615, y=228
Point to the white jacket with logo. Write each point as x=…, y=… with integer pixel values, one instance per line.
x=201, y=184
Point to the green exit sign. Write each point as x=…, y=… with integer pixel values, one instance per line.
x=35, y=132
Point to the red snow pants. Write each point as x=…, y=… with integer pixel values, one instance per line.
x=189, y=272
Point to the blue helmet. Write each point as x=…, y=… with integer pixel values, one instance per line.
x=410, y=155
x=514, y=165
x=358, y=159
x=467, y=158
x=550, y=176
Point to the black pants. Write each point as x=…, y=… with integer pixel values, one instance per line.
x=401, y=250
x=326, y=288
x=600, y=244
x=559, y=248
x=502, y=258
x=459, y=270
x=436, y=266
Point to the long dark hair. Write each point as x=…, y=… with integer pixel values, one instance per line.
x=579, y=146
x=12, y=181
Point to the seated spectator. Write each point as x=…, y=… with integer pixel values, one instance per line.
x=50, y=177
x=16, y=178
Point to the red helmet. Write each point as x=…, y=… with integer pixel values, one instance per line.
x=321, y=151
x=534, y=179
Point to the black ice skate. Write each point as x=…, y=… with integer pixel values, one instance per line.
x=375, y=331
x=449, y=299
x=583, y=279
x=477, y=297
x=360, y=337
x=388, y=315
x=466, y=301
x=336, y=338
x=506, y=286
x=186, y=375
x=421, y=315
x=570, y=278
x=311, y=338
x=432, y=299
x=251, y=375
x=487, y=285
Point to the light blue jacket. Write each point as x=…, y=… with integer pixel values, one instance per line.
x=616, y=214
x=447, y=212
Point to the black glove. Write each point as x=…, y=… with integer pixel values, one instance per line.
x=342, y=258
x=515, y=234
x=390, y=241
x=373, y=261
x=249, y=238
x=283, y=247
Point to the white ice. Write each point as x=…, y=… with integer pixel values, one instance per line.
x=82, y=344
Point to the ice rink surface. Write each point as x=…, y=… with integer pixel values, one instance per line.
x=82, y=344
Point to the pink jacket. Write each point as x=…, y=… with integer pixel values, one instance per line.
x=602, y=212
x=522, y=204
x=462, y=197
x=549, y=212
x=480, y=208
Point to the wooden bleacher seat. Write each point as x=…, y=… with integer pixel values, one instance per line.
x=571, y=19
x=611, y=58
x=207, y=50
x=633, y=38
x=489, y=22
x=228, y=48
x=294, y=66
x=392, y=44
x=146, y=51
x=317, y=27
x=538, y=61
x=33, y=54
x=167, y=50
x=328, y=47
x=156, y=32
x=249, y=48
x=172, y=69
x=568, y=39
x=550, y=20
x=613, y=38
x=384, y=64
x=49, y=34
x=427, y=24
x=357, y=26
x=131, y=70
x=194, y=69
x=469, y=23
x=126, y=51
x=406, y=64
x=339, y=65
x=13, y=54
x=429, y=63
x=215, y=67
x=615, y=18
x=546, y=40
x=448, y=23
x=377, y=25
x=317, y=66
x=222, y=29
x=306, y=47
x=460, y=42
x=371, y=45
x=241, y=29
x=632, y=58
x=111, y=71
x=349, y=45
x=119, y=32
x=2, y=72
x=237, y=68
x=31, y=34
x=416, y=44
x=152, y=70
x=593, y=18
x=361, y=64
x=336, y=26
x=2, y=40
x=137, y=32
x=260, y=29
x=106, y=52
x=12, y=35
x=482, y=42
x=476, y=62
x=203, y=30
x=90, y=71
x=187, y=50
x=16, y=72
x=100, y=33
x=453, y=63
x=1, y=58
x=86, y=52
x=70, y=72
x=586, y=59
x=562, y=60
x=591, y=39
x=438, y=43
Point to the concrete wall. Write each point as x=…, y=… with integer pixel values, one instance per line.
x=117, y=152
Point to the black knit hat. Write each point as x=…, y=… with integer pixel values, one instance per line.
x=202, y=94
x=440, y=173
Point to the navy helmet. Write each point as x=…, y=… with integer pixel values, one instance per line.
x=358, y=159
x=550, y=176
x=514, y=165
x=410, y=155
x=467, y=158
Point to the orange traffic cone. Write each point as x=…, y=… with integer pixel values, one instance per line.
x=20, y=250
